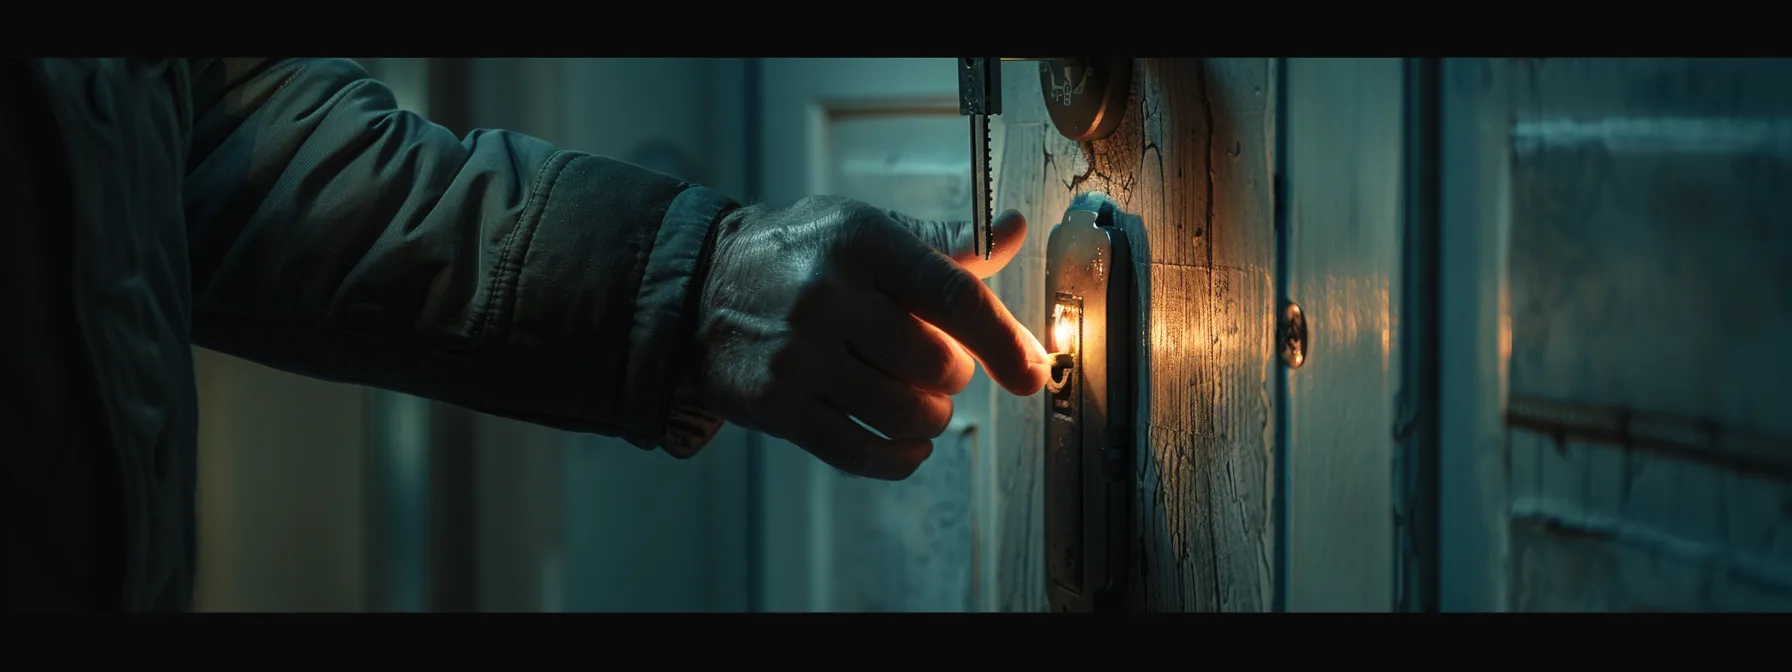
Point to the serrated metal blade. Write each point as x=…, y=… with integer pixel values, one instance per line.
x=982, y=196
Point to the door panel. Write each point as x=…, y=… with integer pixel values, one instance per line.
x=1343, y=142
x=1613, y=284
x=917, y=163
x=1649, y=451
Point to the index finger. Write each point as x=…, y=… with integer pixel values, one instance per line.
x=938, y=290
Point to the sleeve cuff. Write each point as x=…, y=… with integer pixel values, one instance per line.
x=667, y=416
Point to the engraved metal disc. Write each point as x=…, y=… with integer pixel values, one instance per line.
x=1086, y=97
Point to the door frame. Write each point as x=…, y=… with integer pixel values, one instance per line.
x=1474, y=209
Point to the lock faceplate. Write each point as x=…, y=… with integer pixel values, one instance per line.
x=1089, y=449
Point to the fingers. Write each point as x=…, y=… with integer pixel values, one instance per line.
x=957, y=240
x=886, y=337
x=938, y=290
x=833, y=438
x=886, y=404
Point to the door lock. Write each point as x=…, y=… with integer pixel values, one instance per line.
x=1089, y=447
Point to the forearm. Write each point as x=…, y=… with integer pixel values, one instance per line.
x=336, y=236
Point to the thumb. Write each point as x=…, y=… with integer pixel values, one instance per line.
x=957, y=240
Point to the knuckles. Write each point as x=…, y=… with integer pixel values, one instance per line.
x=815, y=207
x=945, y=373
x=959, y=291
x=934, y=414
x=786, y=366
x=918, y=415
x=943, y=238
x=957, y=376
x=815, y=298
x=854, y=224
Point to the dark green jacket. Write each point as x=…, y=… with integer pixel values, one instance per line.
x=287, y=212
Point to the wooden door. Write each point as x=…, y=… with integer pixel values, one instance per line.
x=1617, y=238
x=1260, y=487
x=1251, y=476
x=1192, y=164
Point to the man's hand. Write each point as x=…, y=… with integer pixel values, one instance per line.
x=833, y=308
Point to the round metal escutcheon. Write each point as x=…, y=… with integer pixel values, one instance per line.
x=1293, y=344
x=1086, y=97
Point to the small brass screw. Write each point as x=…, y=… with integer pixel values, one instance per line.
x=1293, y=336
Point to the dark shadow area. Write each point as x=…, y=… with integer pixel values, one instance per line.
x=1144, y=467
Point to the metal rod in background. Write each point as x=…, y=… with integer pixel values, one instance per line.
x=397, y=541
x=453, y=465
x=397, y=538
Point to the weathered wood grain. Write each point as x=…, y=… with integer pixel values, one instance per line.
x=1191, y=161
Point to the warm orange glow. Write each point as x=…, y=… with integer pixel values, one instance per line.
x=1063, y=329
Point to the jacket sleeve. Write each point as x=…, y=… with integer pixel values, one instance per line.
x=334, y=235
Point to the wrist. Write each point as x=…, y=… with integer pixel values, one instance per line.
x=691, y=346
x=690, y=424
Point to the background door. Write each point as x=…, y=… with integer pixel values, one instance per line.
x=1616, y=242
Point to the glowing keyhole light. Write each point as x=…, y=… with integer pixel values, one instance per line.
x=1063, y=329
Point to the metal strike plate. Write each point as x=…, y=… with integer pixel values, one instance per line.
x=1089, y=408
